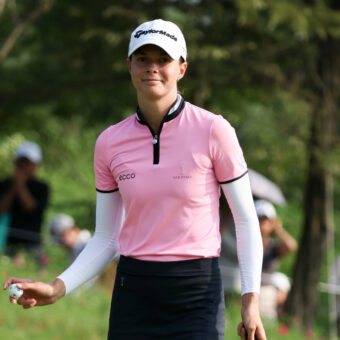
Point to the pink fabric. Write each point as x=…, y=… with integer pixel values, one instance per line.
x=172, y=208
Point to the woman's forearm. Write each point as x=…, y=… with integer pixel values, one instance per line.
x=249, y=241
x=103, y=246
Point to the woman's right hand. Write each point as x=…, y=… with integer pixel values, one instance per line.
x=36, y=293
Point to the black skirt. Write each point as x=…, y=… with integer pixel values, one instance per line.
x=167, y=300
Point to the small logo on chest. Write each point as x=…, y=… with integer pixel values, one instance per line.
x=124, y=177
x=181, y=175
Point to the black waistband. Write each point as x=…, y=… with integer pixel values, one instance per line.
x=204, y=266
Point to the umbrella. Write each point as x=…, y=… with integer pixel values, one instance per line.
x=264, y=188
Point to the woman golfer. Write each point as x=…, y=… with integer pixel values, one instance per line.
x=158, y=179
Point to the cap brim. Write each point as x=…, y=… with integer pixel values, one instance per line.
x=164, y=47
x=31, y=159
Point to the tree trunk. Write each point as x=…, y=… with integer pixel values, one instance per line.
x=303, y=299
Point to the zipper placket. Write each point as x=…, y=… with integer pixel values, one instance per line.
x=175, y=110
x=155, y=142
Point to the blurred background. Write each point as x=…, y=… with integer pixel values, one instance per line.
x=271, y=68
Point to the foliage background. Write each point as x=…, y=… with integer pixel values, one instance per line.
x=65, y=79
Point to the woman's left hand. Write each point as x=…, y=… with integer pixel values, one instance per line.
x=251, y=327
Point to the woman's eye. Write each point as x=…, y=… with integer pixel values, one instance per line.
x=164, y=60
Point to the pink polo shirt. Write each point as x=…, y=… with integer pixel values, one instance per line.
x=169, y=183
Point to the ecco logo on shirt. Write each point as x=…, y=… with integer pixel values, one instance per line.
x=127, y=176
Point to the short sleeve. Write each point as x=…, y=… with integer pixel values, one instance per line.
x=104, y=179
x=226, y=153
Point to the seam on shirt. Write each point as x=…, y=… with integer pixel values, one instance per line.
x=234, y=179
x=210, y=132
x=106, y=149
x=107, y=158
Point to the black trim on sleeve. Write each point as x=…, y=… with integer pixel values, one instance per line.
x=107, y=191
x=234, y=179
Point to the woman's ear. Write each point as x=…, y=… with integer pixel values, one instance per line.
x=128, y=61
x=182, y=68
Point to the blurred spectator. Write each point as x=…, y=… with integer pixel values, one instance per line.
x=24, y=199
x=228, y=260
x=277, y=242
x=4, y=223
x=65, y=232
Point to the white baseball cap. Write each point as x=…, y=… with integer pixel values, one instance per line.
x=61, y=223
x=280, y=281
x=164, y=34
x=265, y=209
x=29, y=150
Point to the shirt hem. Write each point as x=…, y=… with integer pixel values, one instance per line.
x=169, y=258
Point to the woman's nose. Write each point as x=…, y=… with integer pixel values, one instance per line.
x=152, y=67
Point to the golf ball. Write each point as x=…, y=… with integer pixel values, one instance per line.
x=14, y=291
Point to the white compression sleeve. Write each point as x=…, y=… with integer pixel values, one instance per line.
x=249, y=240
x=103, y=246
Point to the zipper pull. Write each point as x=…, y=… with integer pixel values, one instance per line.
x=155, y=139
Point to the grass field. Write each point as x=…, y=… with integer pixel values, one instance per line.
x=84, y=313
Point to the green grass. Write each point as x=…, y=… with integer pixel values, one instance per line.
x=84, y=313
x=80, y=315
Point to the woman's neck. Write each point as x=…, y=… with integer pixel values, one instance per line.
x=154, y=110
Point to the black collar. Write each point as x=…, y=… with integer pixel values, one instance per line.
x=174, y=111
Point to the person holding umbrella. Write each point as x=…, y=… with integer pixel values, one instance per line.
x=163, y=168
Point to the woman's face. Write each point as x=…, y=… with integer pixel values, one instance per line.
x=154, y=73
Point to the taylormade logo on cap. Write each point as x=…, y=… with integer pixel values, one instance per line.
x=139, y=33
x=163, y=34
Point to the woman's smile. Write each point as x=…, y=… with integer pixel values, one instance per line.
x=152, y=80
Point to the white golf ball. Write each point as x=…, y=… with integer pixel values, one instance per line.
x=15, y=292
